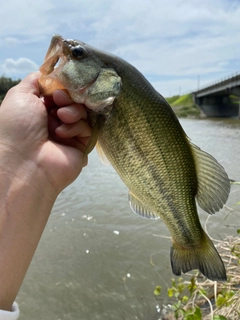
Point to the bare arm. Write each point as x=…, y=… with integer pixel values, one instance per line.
x=41, y=152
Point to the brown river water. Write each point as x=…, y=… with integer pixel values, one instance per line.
x=98, y=260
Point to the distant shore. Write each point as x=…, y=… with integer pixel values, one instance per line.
x=184, y=106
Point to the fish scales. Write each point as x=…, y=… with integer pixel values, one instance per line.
x=135, y=150
x=139, y=134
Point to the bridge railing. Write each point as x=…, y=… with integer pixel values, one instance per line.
x=229, y=78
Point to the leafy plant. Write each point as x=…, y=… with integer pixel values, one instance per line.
x=190, y=298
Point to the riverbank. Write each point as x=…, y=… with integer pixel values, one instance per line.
x=201, y=299
x=184, y=106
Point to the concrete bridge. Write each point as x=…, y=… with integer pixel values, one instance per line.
x=215, y=101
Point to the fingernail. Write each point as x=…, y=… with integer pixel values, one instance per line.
x=62, y=127
x=63, y=93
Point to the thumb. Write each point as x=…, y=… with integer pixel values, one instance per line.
x=30, y=84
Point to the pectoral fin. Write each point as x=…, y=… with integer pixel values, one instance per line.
x=138, y=208
x=213, y=181
x=102, y=155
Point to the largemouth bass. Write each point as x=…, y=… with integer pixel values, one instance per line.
x=139, y=134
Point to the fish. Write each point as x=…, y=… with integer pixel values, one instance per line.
x=137, y=132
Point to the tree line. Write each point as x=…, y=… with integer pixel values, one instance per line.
x=5, y=85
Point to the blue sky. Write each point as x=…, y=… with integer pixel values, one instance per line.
x=176, y=44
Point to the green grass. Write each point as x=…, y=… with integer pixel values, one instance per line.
x=183, y=106
x=172, y=99
x=184, y=100
x=234, y=99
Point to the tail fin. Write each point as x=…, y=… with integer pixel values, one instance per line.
x=205, y=258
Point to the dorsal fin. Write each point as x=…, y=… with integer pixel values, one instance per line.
x=138, y=208
x=213, y=181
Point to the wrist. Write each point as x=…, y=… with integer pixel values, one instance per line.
x=17, y=170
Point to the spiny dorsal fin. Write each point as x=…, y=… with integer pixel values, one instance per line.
x=102, y=155
x=213, y=181
x=138, y=208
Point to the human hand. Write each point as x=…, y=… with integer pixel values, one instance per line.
x=49, y=136
x=41, y=152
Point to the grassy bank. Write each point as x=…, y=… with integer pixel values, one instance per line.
x=183, y=106
x=197, y=298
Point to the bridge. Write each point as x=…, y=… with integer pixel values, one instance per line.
x=216, y=99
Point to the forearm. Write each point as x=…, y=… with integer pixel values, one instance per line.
x=37, y=161
x=26, y=200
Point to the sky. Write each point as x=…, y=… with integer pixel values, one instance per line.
x=178, y=45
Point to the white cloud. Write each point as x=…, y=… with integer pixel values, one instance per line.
x=177, y=39
x=17, y=67
x=10, y=42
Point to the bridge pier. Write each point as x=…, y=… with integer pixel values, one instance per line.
x=217, y=106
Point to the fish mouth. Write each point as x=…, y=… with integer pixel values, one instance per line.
x=58, y=55
x=66, y=66
x=85, y=88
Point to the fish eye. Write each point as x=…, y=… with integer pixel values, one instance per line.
x=77, y=51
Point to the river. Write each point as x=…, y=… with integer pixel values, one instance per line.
x=98, y=260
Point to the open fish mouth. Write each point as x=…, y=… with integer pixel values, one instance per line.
x=66, y=66
x=60, y=52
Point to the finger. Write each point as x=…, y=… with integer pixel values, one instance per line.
x=84, y=161
x=54, y=114
x=73, y=113
x=71, y=142
x=77, y=143
x=53, y=123
x=79, y=129
x=49, y=103
x=62, y=98
x=84, y=141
